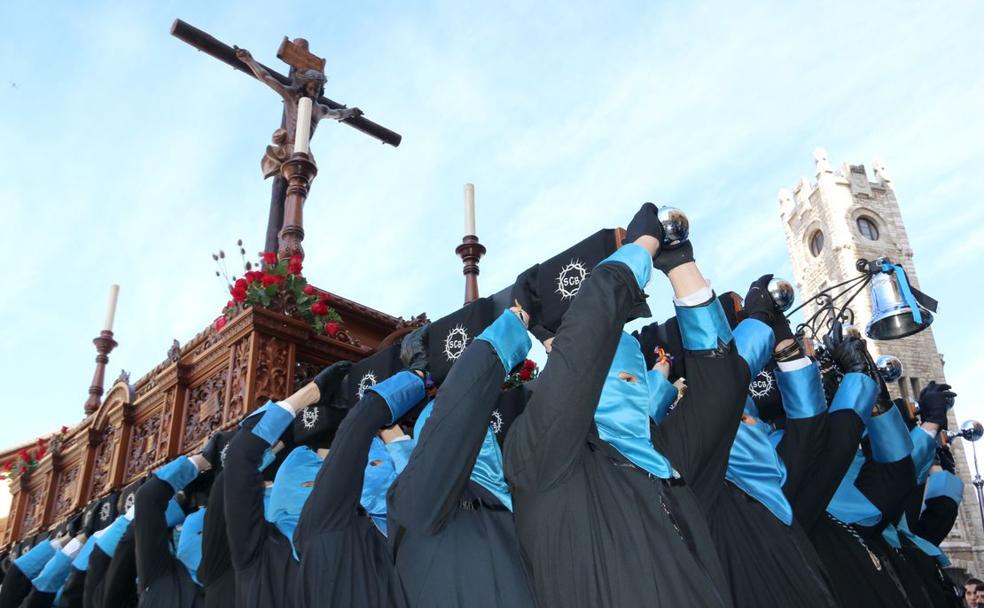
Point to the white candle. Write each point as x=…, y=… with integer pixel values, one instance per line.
x=470, y=210
x=302, y=134
x=114, y=294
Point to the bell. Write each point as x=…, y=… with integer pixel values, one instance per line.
x=889, y=367
x=676, y=226
x=782, y=293
x=892, y=318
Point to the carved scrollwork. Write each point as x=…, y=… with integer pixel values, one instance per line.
x=32, y=509
x=238, y=370
x=104, y=458
x=203, y=413
x=271, y=369
x=174, y=353
x=143, y=445
x=167, y=415
x=65, y=492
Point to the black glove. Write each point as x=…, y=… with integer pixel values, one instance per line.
x=413, y=349
x=934, y=401
x=945, y=458
x=646, y=223
x=759, y=304
x=212, y=452
x=525, y=293
x=329, y=379
x=849, y=354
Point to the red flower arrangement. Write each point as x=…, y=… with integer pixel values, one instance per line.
x=277, y=282
x=526, y=372
x=28, y=459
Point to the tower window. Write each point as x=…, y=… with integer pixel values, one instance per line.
x=868, y=228
x=816, y=243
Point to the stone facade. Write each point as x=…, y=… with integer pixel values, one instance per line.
x=829, y=224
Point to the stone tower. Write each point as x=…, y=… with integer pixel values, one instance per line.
x=829, y=223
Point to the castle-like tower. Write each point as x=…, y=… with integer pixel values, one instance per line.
x=830, y=223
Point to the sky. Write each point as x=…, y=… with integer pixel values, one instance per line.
x=130, y=158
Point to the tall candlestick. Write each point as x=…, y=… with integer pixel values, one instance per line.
x=302, y=134
x=469, y=209
x=114, y=294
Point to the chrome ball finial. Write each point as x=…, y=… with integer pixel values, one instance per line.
x=889, y=367
x=676, y=226
x=971, y=430
x=782, y=293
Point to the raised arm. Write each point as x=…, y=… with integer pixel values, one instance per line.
x=260, y=72
x=427, y=491
x=944, y=490
x=806, y=422
x=216, y=559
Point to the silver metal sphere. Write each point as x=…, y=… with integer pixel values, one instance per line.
x=676, y=226
x=782, y=293
x=972, y=430
x=890, y=368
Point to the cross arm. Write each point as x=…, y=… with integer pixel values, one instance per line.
x=210, y=45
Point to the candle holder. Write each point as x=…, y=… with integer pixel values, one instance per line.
x=299, y=171
x=470, y=251
x=104, y=345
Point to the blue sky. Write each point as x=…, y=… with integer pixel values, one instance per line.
x=129, y=157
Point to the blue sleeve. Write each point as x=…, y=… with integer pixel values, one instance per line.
x=923, y=452
x=856, y=392
x=890, y=441
x=174, y=514
x=81, y=562
x=755, y=341
x=509, y=338
x=401, y=392
x=111, y=537
x=636, y=258
x=31, y=563
x=944, y=483
x=802, y=392
x=272, y=425
x=54, y=574
x=703, y=327
x=662, y=394
x=178, y=473
x=400, y=451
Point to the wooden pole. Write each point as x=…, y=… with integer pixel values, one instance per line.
x=470, y=251
x=299, y=170
x=104, y=345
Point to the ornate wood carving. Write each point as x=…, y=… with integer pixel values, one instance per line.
x=272, y=369
x=101, y=469
x=33, y=510
x=143, y=445
x=65, y=491
x=238, y=383
x=167, y=416
x=203, y=412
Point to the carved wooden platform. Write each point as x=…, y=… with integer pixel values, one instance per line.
x=204, y=386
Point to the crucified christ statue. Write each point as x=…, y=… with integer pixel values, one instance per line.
x=303, y=83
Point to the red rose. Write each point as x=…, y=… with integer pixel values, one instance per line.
x=294, y=266
x=239, y=295
x=40, y=452
x=24, y=456
x=64, y=429
x=240, y=284
x=269, y=258
x=331, y=328
x=220, y=322
x=8, y=465
x=271, y=279
x=525, y=374
x=252, y=276
x=529, y=364
x=319, y=308
x=230, y=304
x=309, y=290
x=326, y=297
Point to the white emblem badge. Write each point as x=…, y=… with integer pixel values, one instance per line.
x=496, y=422
x=310, y=417
x=368, y=381
x=570, y=278
x=223, y=454
x=762, y=385
x=104, y=511
x=455, y=342
x=129, y=501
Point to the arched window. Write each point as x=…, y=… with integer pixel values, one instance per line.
x=868, y=228
x=816, y=243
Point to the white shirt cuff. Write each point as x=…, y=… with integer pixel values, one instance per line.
x=929, y=432
x=55, y=544
x=72, y=548
x=286, y=405
x=130, y=513
x=98, y=533
x=696, y=298
x=792, y=366
x=401, y=438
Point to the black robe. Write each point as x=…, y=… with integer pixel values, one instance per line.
x=16, y=586
x=215, y=571
x=71, y=596
x=454, y=542
x=163, y=579
x=266, y=572
x=98, y=565
x=933, y=523
x=595, y=530
x=119, y=587
x=344, y=558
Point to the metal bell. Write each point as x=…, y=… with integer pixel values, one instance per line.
x=891, y=317
x=782, y=293
x=890, y=368
x=676, y=226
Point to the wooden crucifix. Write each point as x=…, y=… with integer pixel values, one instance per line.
x=306, y=79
